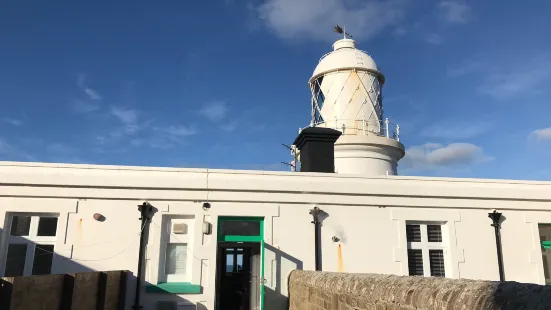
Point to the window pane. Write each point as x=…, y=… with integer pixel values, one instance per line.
x=413, y=233
x=240, y=228
x=47, y=226
x=20, y=225
x=43, y=255
x=415, y=262
x=229, y=262
x=15, y=262
x=176, y=258
x=239, y=262
x=437, y=263
x=434, y=233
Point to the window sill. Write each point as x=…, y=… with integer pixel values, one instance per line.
x=174, y=288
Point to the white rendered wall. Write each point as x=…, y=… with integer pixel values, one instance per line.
x=368, y=214
x=367, y=155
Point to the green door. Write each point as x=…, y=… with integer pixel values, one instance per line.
x=245, y=230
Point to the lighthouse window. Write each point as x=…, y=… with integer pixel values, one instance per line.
x=319, y=99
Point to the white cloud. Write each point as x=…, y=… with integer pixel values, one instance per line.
x=12, y=152
x=433, y=38
x=215, y=110
x=516, y=82
x=435, y=156
x=314, y=19
x=92, y=94
x=12, y=121
x=60, y=148
x=128, y=117
x=466, y=67
x=229, y=127
x=81, y=106
x=456, y=130
x=454, y=12
x=177, y=131
x=543, y=134
x=164, y=137
x=507, y=80
x=131, y=131
x=399, y=31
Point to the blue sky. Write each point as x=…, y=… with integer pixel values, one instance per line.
x=222, y=84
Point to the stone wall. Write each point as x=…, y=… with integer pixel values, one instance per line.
x=311, y=290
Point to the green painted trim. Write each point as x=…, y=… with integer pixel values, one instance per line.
x=546, y=244
x=241, y=218
x=262, y=271
x=241, y=238
x=173, y=288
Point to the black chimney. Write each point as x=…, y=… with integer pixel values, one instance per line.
x=317, y=149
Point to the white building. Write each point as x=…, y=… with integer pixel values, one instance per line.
x=220, y=237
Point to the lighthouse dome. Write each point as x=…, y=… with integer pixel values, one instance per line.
x=346, y=56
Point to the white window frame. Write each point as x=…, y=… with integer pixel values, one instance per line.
x=32, y=240
x=424, y=245
x=168, y=237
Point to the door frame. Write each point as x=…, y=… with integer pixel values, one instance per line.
x=237, y=239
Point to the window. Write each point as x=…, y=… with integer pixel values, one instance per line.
x=319, y=99
x=176, y=251
x=30, y=244
x=240, y=228
x=234, y=260
x=426, y=250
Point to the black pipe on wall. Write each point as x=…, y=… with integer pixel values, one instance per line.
x=496, y=217
x=316, y=213
x=146, y=212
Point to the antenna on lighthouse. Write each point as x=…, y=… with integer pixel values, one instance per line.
x=339, y=29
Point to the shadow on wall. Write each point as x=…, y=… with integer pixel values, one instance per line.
x=276, y=290
x=21, y=256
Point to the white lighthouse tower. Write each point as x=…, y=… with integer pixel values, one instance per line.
x=347, y=96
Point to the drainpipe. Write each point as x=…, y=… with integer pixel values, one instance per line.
x=316, y=212
x=496, y=216
x=146, y=213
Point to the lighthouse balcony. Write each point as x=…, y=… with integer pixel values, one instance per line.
x=362, y=127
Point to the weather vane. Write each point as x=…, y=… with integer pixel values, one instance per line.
x=339, y=29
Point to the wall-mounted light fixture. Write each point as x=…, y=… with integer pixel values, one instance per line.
x=335, y=239
x=206, y=206
x=98, y=217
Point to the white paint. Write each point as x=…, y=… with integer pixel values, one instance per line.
x=367, y=155
x=367, y=214
x=346, y=91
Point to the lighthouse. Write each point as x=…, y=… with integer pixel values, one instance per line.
x=346, y=89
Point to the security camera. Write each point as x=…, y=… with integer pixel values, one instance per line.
x=206, y=206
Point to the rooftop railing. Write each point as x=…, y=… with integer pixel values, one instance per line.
x=362, y=128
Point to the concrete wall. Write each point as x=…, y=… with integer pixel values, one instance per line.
x=311, y=290
x=367, y=214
